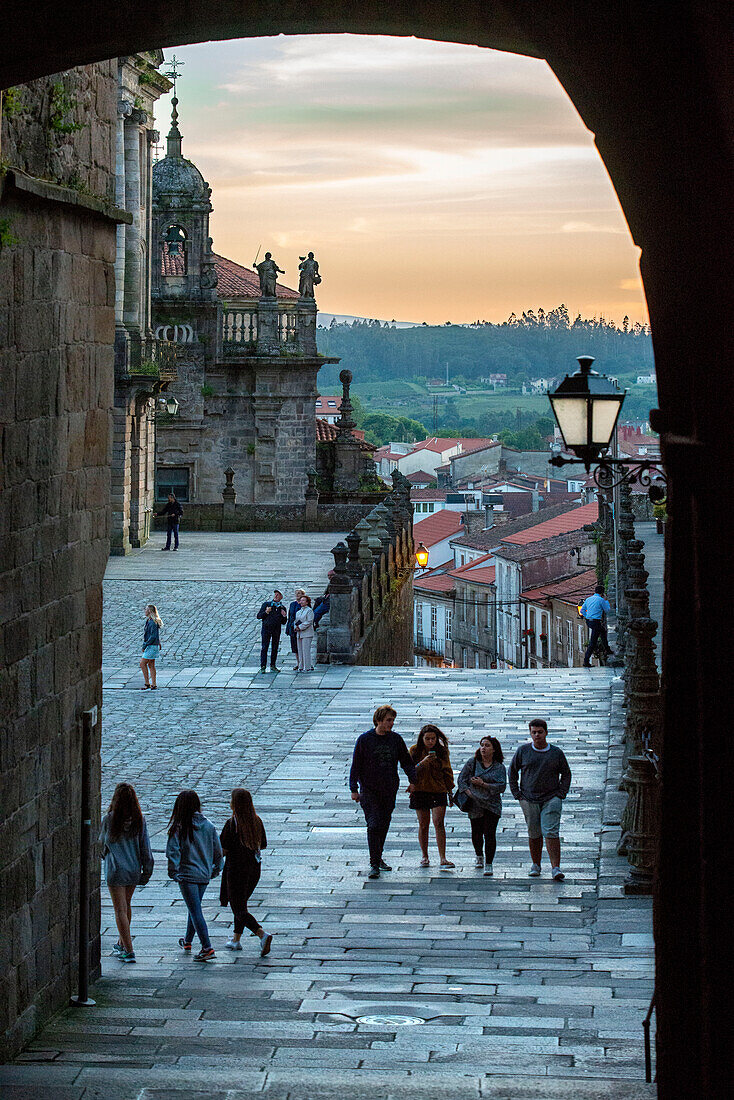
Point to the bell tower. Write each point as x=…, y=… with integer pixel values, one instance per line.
x=183, y=265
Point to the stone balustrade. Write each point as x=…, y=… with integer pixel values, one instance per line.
x=266, y=326
x=371, y=590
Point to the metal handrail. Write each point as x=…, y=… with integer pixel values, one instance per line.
x=646, y=1035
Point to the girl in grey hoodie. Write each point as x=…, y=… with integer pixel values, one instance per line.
x=128, y=860
x=194, y=857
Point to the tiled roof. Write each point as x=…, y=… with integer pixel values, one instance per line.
x=236, y=281
x=326, y=433
x=428, y=494
x=438, y=582
x=435, y=444
x=485, y=540
x=571, y=520
x=470, y=445
x=328, y=404
x=574, y=589
x=437, y=527
x=420, y=475
x=484, y=574
x=556, y=544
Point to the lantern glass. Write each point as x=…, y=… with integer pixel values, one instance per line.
x=171, y=405
x=604, y=413
x=421, y=555
x=570, y=412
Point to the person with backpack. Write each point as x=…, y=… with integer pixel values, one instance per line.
x=151, y=646
x=194, y=858
x=243, y=839
x=128, y=861
x=479, y=794
x=174, y=511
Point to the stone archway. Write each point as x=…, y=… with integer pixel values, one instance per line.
x=658, y=93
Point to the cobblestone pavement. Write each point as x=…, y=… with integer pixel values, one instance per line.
x=518, y=988
x=208, y=593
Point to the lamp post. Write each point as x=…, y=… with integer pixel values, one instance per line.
x=586, y=406
x=168, y=404
x=421, y=556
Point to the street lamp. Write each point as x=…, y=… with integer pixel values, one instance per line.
x=421, y=556
x=168, y=404
x=586, y=406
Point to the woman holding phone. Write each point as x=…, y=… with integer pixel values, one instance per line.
x=433, y=788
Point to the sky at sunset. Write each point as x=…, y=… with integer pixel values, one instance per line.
x=433, y=181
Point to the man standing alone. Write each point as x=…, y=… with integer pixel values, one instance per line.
x=593, y=609
x=273, y=613
x=374, y=780
x=545, y=778
x=174, y=511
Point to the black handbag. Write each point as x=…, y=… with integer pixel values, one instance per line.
x=462, y=799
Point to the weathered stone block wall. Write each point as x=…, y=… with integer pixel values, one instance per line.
x=336, y=515
x=389, y=637
x=56, y=378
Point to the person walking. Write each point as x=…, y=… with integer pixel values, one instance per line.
x=540, y=779
x=593, y=610
x=323, y=602
x=293, y=608
x=194, y=857
x=128, y=861
x=272, y=614
x=305, y=634
x=479, y=790
x=374, y=782
x=432, y=793
x=151, y=646
x=174, y=511
x=243, y=839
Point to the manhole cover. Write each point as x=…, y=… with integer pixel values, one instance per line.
x=391, y=1021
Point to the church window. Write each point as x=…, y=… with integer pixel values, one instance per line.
x=172, y=479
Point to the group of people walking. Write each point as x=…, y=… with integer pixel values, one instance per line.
x=539, y=778
x=195, y=852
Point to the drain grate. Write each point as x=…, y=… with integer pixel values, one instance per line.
x=391, y=1020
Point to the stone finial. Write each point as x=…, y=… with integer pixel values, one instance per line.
x=381, y=514
x=173, y=141
x=346, y=422
x=311, y=490
x=364, y=531
x=229, y=493
x=354, y=567
x=340, y=582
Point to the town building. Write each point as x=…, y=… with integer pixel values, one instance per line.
x=327, y=408
x=436, y=533
x=246, y=357
x=553, y=632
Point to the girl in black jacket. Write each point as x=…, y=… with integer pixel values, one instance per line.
x=243, y=838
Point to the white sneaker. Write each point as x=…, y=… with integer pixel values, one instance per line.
x=233, y=945
x=488, y=869
x=479, y=862
x=534, y=870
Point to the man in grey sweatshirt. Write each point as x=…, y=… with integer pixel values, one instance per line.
x=540, y=779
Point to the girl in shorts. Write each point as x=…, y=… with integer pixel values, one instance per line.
x=433, y=788
x=151, y=645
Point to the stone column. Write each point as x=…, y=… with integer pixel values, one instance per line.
x=339, y=636
x=133, y=284
x=229, y=500
x=311, y=510
x=268, y=340
x=124, y=110
x=306, y=327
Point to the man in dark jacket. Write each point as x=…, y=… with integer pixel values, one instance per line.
x=374, y=780
x=273, y=614
x=174, y=511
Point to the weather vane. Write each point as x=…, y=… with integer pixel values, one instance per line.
x=173, y=72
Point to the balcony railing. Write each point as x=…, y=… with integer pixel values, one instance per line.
x=238, y=329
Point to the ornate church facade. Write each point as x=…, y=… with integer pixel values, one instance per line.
x=246, y=358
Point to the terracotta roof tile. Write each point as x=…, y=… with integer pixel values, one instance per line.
x=420, y=475
x=574, y=589
x=437, y=527
x=572, y=520
x=543, y=547
x=236, y=281
x=439, y=582
x=493, y=536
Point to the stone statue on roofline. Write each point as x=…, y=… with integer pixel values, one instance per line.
x=268, y=271
x=309, y=278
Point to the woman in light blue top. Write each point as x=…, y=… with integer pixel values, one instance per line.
x=128, y=860
x=194, y=858
x=151, y=645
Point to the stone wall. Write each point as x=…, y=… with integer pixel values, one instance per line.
x=56, y=378
x=332, y=513
x=371, y=590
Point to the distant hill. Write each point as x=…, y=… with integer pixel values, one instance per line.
x=326, y=319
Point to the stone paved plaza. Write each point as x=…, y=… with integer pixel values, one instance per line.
x=517, y=988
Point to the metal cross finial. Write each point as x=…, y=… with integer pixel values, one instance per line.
x=173, y=72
